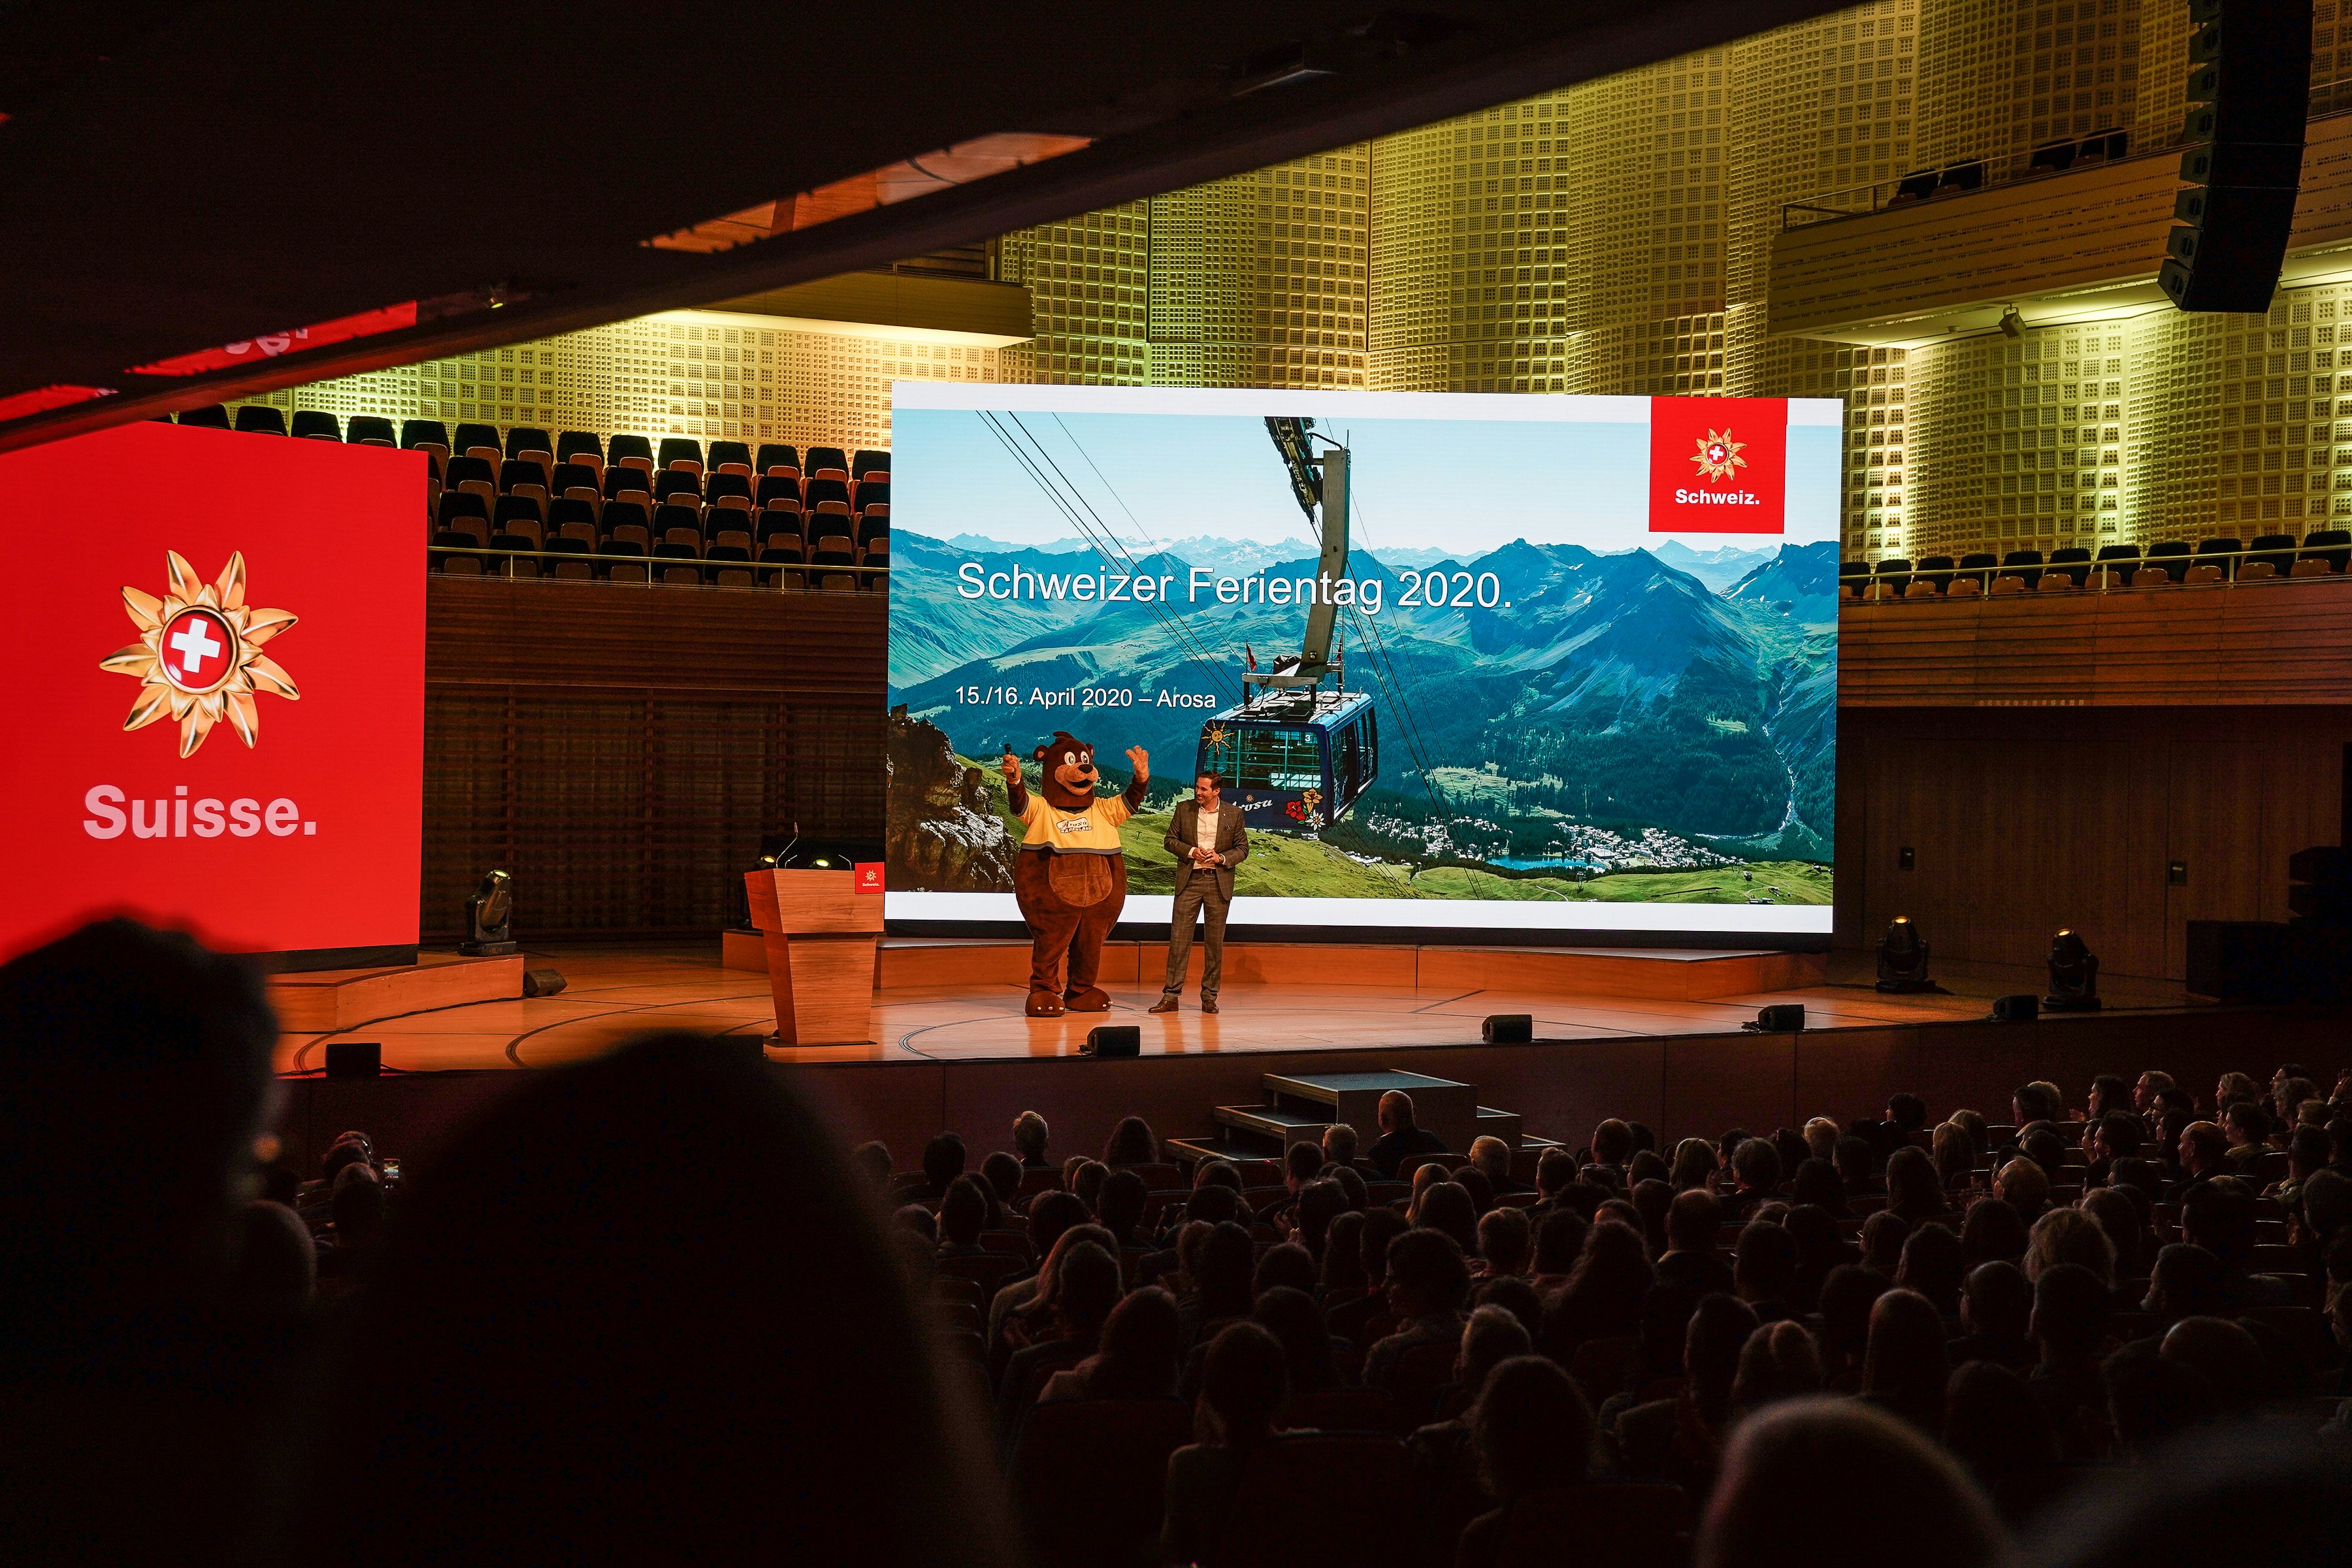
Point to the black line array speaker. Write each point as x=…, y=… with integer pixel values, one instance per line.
x=1109, y=1042
x=2249, y=94
x=1508, y=1030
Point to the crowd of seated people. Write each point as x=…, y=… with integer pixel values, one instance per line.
x=645, y=1308
x=576, y=504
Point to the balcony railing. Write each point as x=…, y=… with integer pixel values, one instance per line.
x=2248, y=567
x=652, y=570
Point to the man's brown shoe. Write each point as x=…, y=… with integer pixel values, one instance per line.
x=1168, y=1004
x=1208, y=1005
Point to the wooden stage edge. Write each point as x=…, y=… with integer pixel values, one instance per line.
x=1663, y=974
x=956, y=1053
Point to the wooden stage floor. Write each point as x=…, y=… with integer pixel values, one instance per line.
x=616, y=992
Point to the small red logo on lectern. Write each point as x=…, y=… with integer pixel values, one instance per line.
x=869, y=876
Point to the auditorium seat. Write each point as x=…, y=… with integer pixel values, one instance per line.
x=1321, y=1497
x=2151, y=577
x=1921, y=588
x=674, y=519
x=827, y=463
x=679, y=486
x=211, y=415
x=1090, y=1476
x=455, y=565
x=2312, y=566
x=1420, y=1373
x=728, y=561
x=515, y=565
x=518, y=477
x=568, y=517
x=781, y=460
x=2076, y=560
x=2256, y=572
x=2278, y=549
x=779, y=490
x=2027, y=563
x=465, y=512
x=730, y=458
x=580, y=447
x=2054, y=582
x=628, y=484
x=2333, y=545
x=1938, y=570
x=772, y=524
x=623, y=559
x=580, y=571
x=577, y=481
x=1892, y=576
x=2204, y=574
x=628, y=522
x=2219, y=551
x=2170, y=555
x=725, y=488
x=865, y=461
x=632, y=452
x=2006, y=584
x=317, y=424
x=1343, y=1410
x=682, y=452
x=426, y=435
x=1965, y=588
x=522, y=439
x=1852, y=576
x=260, y=419
x=369, y=430
x=519, y=514
x=874, y=533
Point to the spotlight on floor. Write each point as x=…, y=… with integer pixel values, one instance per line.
x=1903, y=958
x=489, y=919
x=2073, y=974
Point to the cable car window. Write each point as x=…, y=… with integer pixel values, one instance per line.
x=1276, y=759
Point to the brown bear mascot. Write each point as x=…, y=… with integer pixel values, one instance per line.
x=1070, y=876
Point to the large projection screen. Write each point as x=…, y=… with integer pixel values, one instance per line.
x=1577, y=665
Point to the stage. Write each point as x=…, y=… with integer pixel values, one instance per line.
x=951, y=1048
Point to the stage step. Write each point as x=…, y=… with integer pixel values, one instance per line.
x=1189, y=1152
x=1503, y=1124
x=1263, y=1124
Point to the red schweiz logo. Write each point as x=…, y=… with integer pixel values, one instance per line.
x=1719, y=464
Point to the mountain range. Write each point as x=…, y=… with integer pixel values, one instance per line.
x=1604, y=688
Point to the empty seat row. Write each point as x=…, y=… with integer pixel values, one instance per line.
x=2321, y=552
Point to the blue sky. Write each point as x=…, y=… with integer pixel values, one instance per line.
x=1465, y=484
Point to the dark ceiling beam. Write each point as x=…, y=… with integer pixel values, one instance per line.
x=1373, y=91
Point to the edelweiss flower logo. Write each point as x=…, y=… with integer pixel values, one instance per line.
x=198, y=659
x=1718, y=456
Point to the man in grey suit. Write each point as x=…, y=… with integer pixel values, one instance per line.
x=1208, y=841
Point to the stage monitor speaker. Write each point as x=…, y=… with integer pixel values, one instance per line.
x=543, y=982
x=355, y=1059
x=2021, y=1008
x=2249, y=94
x=1110, y=1042
x=1508, y=1030
x=1780, y=1018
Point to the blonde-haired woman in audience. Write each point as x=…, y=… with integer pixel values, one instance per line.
x=2069, y=1236
x=1821, y=1137
x=1955, y=1156
x=1695, y=1164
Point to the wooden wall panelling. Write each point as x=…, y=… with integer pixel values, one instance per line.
x=2214, y=805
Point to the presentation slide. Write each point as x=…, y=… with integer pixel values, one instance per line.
x=219, y=720
x=1466, y=663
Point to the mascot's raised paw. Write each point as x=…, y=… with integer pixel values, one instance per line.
x=1070, y=876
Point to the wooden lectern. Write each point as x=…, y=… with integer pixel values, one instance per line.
x=819, y=934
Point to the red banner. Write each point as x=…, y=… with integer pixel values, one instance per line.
x=1719, y=464
x=270, y=345
x=219, y=720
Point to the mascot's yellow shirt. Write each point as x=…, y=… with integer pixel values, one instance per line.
x=1093, y=831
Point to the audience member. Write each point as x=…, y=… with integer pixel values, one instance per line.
x=1531, y=1430
x=1245, y=1381
x=1138, y=1355
x=1996, y=1317
x=1818, y=1480
x=1904, y=1370
x=1029, y=1136
x=1131, y=1143
x=1399, y=1136
x=1427, y=1281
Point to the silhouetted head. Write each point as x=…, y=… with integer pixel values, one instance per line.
x=134, y=1077
x=641, y=1309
